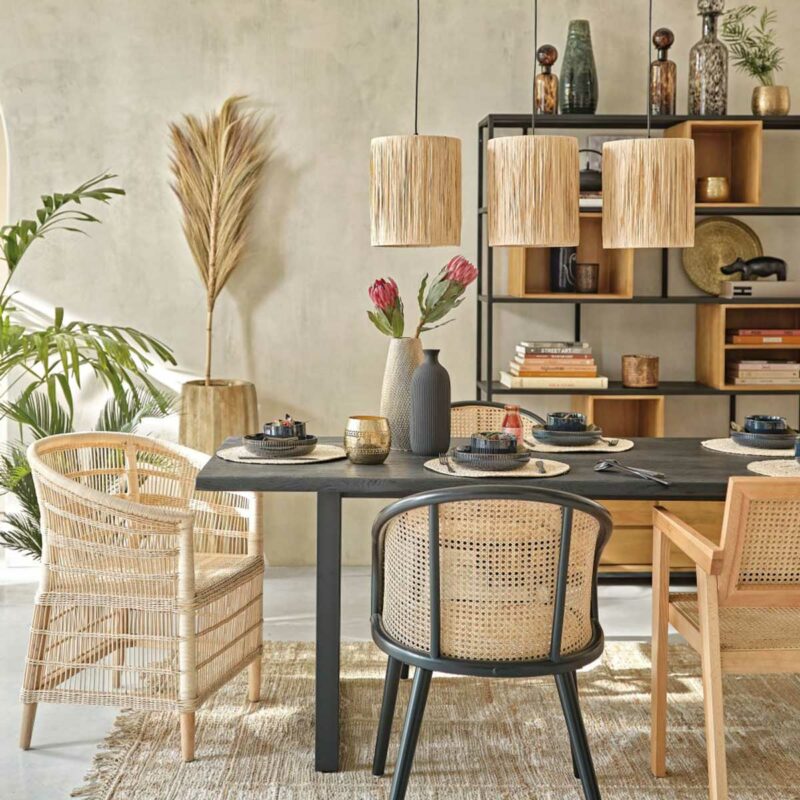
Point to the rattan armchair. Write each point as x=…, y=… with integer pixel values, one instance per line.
x=470, y=416
x=151, y=592
x=490, y=581
x=745, y=616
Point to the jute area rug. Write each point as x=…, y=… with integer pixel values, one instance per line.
x=480, y=740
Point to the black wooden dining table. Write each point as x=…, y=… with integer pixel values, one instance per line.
x=693, y=472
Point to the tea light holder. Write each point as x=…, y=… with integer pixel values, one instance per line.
x=640, y=372
x=367, y=439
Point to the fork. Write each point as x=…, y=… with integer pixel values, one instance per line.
x=541, y=467
x=445, y=461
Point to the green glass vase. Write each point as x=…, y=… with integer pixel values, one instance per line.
x=577, y=90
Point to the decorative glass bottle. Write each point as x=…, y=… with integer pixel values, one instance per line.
x=545, y=86
x=512, y=423
x=708, y=66
x=662, y=75
x=578, y=90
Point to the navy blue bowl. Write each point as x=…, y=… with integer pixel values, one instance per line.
x=797, y=449
x=493, y=442
x=566, y=421
x=278, y=430
x=764, y=423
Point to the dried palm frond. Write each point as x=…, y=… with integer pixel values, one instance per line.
x=216, y=163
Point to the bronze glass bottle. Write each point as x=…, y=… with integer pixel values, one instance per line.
x=663, y=74
x=545, y=86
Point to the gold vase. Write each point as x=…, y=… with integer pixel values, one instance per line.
x=771, y=101
x=367, y=440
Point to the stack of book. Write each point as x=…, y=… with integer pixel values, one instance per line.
x=787, y=336
x=553, y=365
x=760, y=289
x=763, y=373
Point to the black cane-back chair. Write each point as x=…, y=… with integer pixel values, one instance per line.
x=486, y=581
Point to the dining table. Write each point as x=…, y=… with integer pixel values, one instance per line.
x=693, y=472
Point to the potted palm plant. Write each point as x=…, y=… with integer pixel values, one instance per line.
x=754, y=51
x=217, y=164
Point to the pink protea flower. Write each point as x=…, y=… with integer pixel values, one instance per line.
x=461, y=271
x=384, y=294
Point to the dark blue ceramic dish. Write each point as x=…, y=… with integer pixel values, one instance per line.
x=765, y=423
x=765, y=441
x=493, y=442
x=590, y=435
x=490, y=462
x=259, y=444
x=278, y=430
x=566, y=421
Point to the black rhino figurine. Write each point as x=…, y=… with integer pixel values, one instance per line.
x=760, y=267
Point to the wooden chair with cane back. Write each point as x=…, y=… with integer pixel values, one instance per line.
x=151, y=592
x=745, y=615
x=471, y=416
x=488, y=581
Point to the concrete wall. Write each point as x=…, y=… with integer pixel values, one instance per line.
x=91, y=85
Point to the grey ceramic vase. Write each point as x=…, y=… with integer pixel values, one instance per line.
x=430, y=407
x=577, y=88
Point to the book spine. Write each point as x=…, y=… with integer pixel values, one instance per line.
x=763, y=339
x=547, y=357
x=765, y=331
x=557, y=351
x=513, y=382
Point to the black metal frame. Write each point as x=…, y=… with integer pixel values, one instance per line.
x=486, y=388
x=562, y=667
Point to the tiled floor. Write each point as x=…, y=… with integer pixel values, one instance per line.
x=65, y=737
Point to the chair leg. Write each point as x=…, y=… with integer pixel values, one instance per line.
x=26, y=729
x=254, y=680
x=404, y=672
x=658, y=655
x=187, y=735
x=390, y=684
x=707, y=599
x=567, y=690
x=408, y=741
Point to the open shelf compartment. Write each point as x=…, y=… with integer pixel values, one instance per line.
x=714, y=354
x=623, y=415
x=727, y=149
x=529, y=267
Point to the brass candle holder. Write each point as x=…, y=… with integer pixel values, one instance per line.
x=367, y=439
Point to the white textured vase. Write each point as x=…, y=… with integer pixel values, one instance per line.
x=404, y=356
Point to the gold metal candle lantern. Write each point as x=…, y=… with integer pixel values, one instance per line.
x=415, y=191
x=532, y=184
x=367, y=440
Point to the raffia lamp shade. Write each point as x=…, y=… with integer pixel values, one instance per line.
x=415, y=191
x=648, y=193
x=532, y=186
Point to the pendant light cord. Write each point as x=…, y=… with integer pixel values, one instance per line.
x=649, y=59
x=535, y=49
x=416, y=82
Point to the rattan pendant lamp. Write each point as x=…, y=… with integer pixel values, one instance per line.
x=532, y=185
x=415, y=186
x=648, y=188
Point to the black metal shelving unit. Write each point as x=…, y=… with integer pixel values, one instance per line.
x=486, y=387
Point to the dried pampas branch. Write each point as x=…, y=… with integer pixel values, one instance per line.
x=217, y=164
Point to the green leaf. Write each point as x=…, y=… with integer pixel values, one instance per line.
x=421, y=293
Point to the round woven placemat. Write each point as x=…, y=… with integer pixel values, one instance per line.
x=784, y=468
x=530, y=470
x=734, y=448
x=598, y=447
x=322, y=452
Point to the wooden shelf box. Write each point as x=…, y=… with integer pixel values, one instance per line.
x=624, y=415
x=713, y=354
x=728, y=149
x=529, y=267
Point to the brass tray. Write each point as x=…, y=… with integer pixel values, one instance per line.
x=717, y=242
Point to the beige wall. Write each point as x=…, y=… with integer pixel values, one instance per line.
x=91, y=84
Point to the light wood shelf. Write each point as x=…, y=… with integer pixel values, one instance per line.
x=623, y=415
x=529, y=267
x=730, y=149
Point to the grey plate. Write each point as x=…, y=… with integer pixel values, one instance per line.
x=767, y=441
x=493, y=462
x=591, y=435
x=273, y=447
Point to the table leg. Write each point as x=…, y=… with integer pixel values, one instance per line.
x=329, y=592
